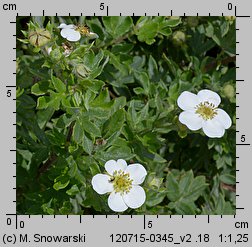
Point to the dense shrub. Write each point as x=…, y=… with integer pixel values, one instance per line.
x=112, y=95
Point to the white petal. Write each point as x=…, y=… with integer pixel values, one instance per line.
x=122, y=163
x=116, y=202
x=70, y=26
x=62, y=25
x=137, y=173
x=223, y=118
x=65, y=26
x=93, y=35
x=210, y=96
x=101, y=184
x=187, y=100
x=192, y=120
x=111, y=166
x=135, y=198
x=212, y=128
x=70, y=34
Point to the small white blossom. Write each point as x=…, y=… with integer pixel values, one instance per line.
x=69, y=32
x=73, y=33
x=122, y=182
x=201, y=111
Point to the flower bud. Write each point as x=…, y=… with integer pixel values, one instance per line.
x=179, y=38
x=56, y=55
x=229, y=91
x=192, y=21
x=39, y=37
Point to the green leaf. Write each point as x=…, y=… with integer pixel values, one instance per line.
x=43, y=102
x=183, y=208
x=115, y=153
x=90, y=127
x=87, y=145
x=94, y=168
x=173, y=192
x=171, y=22
x=40, y=88
x=47, y=207
x=148, y=32
x=93, y=85
x=228, y=179
x=114, y=123
x=117, y=25
x=143, y=79
x=61, y=182
x=44, y=116
x=58, y=84
x=184, y=190
x=73, y=190
x=72, y=167
x=152, y=67
x=101, y=99
x=138, y=90
x=166, y=31
x=154, y=197
x=46, y=101
x=196, y=188
x=122, y=48
x=116, y=62
x=78, y=132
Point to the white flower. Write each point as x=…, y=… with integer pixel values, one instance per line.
x=122, y=182
x=73, y=33
x=69, y=32
x=201, y=111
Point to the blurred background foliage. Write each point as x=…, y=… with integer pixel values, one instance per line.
x=80, y=104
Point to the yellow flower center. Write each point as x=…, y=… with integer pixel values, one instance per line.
x=82, y=30
x=121, y=182
x=206, y=110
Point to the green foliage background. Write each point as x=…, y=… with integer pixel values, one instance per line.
x=115, y=97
